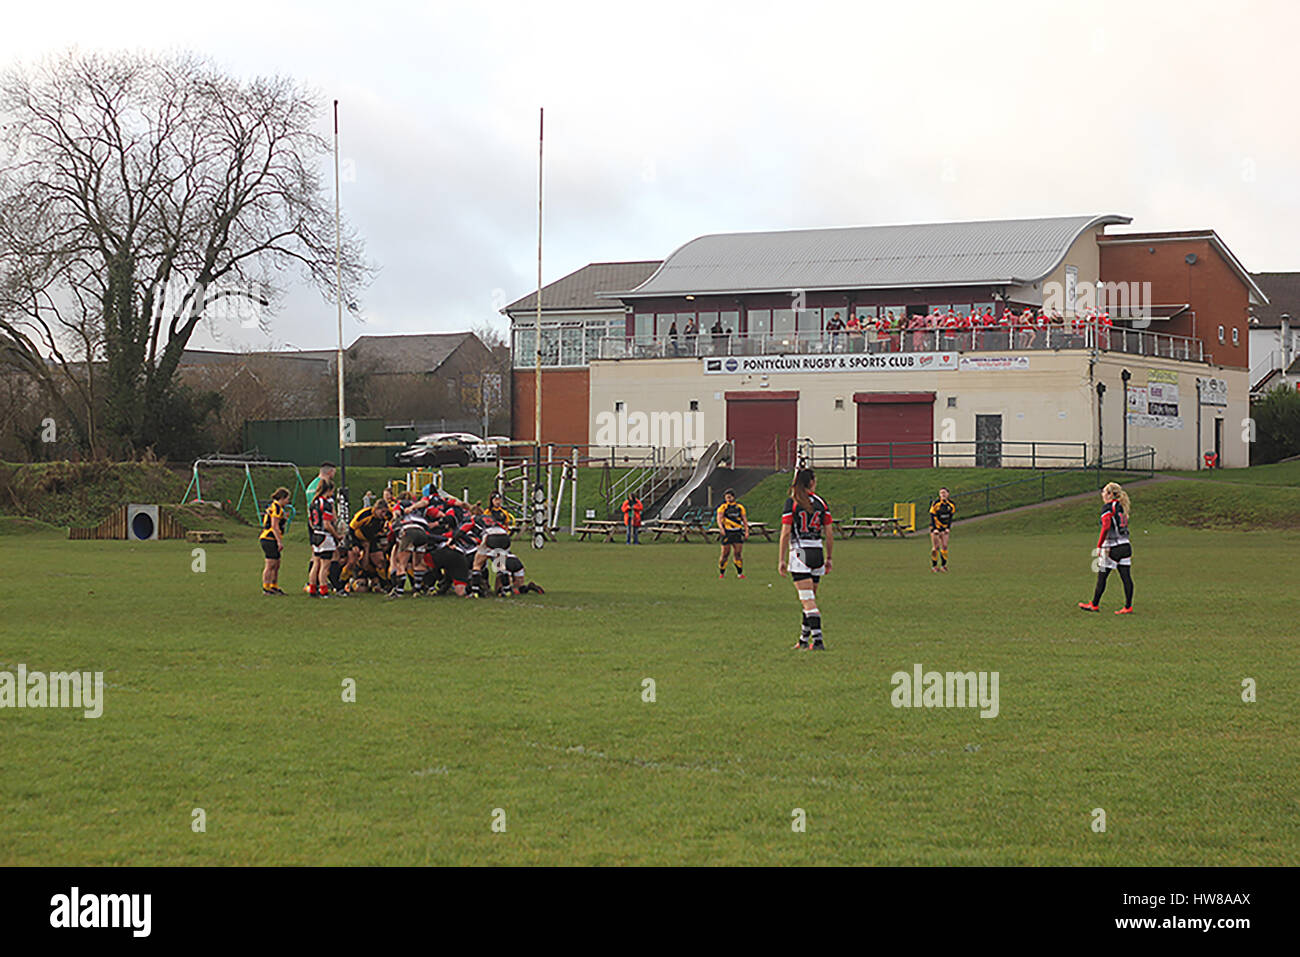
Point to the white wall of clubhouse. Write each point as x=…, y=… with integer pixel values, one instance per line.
x=1052, y=398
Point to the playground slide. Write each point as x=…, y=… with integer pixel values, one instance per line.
x=703, y=469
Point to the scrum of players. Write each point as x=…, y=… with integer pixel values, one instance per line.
x=404, y=545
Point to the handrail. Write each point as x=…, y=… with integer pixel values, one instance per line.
x=646, y=483
x=1009, y=338
x=934, y=453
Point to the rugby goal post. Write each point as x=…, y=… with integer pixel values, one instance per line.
x=247, y=488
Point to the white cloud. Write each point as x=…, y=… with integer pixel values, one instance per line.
x=669, y=121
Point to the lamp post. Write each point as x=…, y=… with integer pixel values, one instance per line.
x=1126, y=375
x=1101, y=391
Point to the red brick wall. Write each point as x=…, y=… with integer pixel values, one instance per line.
x=566, y=401
x=1216, y=294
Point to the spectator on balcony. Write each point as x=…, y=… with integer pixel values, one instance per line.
x=834, y=327
x=1106, y=324
x=719, y=335
x=1025, y=329
x=1055, y=330
x=916, y=326
x=853, y=328
x=672, y=336
x=986, y=322
x=881, y=336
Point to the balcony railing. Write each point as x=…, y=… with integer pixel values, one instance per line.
x=1141, y=342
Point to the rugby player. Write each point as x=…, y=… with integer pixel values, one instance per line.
x=325, y=474
x=320, y=524
x=733, y=526
x=805, y=551
x=510, y=578
x=941, y=514
x=369, y=531
x=272, y=540
x=1114, y=549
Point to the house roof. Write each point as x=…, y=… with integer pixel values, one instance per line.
x=396, y=353
x=406, y=354
x=1007, y=251
x=1283, y=291
x=1257, y=295
x=578, y=290
x=200, y=357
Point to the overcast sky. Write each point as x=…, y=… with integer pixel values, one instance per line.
x=668, y=120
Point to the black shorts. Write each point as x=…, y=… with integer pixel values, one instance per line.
x=453, y=563
x=733, y=536
x=1117, y=555
x=797, y=577
x=412, y=538
x=269, y=548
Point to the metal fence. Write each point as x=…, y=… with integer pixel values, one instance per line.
x=977, y=454
x=1031, y=338
x=1031, y=489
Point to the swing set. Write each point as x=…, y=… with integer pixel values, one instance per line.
x=247, y=489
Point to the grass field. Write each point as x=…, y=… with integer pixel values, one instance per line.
x=221, y=699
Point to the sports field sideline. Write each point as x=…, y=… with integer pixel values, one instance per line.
x=222, y=699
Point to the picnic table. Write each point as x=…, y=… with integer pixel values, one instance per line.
x=755, y=528
x=873, y=524
x=603, y=527
x=678, y=528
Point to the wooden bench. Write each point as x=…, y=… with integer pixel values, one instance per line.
x=679, y=529
x=755, y=528
x=608, y=531
x=874, y=525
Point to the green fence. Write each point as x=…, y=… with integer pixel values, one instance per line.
x=308, y=442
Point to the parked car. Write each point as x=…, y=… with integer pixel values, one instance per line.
x=486, y=450
x=437, y=449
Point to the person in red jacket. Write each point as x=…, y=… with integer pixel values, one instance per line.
x=632, y=509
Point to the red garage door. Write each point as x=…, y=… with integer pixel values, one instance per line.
x=763, y=425
x=895, y=430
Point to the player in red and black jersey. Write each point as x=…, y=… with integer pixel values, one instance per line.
x=805, y=551
x=1114, y=551
x=321, y=526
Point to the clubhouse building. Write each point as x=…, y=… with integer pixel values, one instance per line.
x=1010, y=342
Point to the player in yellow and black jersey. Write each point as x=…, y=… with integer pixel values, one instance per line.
x=498, y=512
x=941, y=516
x=734, y=527
x=272, y=539
x=370, y=533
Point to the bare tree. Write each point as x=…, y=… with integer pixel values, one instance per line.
x=138, y=193
x=259, y=386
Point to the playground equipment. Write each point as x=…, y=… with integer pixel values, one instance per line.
x=704, y=467
x=247, y=488
x=528, y=487
x=905, y=515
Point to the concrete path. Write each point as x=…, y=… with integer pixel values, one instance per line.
x=1096, y=494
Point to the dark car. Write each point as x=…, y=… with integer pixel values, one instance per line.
x=433, y=451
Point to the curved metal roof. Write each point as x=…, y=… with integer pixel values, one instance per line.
x=1006, y=251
